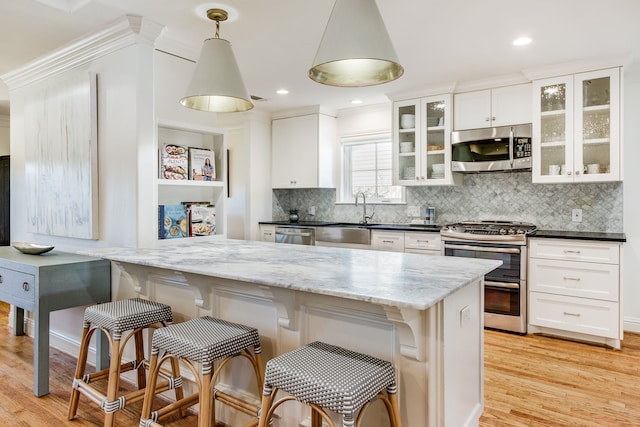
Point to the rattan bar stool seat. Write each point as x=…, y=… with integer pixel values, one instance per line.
x=114, y=319
x=329, y=377
x=203, y=340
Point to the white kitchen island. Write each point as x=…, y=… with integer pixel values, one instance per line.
x=423, y=313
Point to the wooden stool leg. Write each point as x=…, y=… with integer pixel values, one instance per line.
x=394, y=414
x=151, y=386
x=207, y=409
x=175, y=372
x=267, y=400
x=139, y=343
x=316, y=418
x=114, y=382
x=80, y=367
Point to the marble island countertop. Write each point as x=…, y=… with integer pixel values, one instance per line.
x=388, y=278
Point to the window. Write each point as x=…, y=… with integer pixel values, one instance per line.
x=367, y=167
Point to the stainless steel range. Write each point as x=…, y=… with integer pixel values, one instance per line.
x=505, y=293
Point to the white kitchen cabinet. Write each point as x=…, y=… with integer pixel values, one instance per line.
x=574, y=289
x=576, y=128
x=304, y=151
x=267, y=233
x=410, y=241
x=176, y=191
x=422, y=243
x=382, y=240
x=422, y=142
x=509, y=105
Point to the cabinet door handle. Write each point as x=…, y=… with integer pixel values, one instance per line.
x=493, y=118
x=1, y=278
x=568, y=251
x=387, y=241
x=25, y=286
x=486, y=119
x=568, y=313
x=575, y=279
x=422, y=241
x=568, y=172
x=577, y=172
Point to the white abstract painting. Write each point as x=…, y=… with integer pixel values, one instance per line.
x=61, y=158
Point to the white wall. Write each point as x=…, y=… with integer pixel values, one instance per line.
x=4, y=135
x=368, y=119
x=631, y=249
x=249, y=144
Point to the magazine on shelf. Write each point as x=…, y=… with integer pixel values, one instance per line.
x=202, y=164
x=173, y=222
x=174, y=162
x=202, y=218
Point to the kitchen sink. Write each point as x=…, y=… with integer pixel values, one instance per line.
x=344, y=233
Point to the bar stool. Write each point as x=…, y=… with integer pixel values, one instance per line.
x=329, y=377
x=114, y=319
x=203, y=340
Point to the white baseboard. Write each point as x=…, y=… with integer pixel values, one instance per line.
x=631, y=324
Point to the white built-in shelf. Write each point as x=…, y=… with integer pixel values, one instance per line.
x=432, y=152
x=189, y=183
x=553, y=144
x=596, y=141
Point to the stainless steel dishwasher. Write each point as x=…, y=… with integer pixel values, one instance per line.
x=297, y=235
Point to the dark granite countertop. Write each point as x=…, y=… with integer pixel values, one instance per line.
x=396, y=227
x=581, y=235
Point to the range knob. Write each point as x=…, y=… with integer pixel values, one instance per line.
x=519, y=231
x=503, y=231
x=512, y=231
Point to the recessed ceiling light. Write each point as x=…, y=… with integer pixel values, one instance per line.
x=356, y=101
x=282, y=91
x=522, y=41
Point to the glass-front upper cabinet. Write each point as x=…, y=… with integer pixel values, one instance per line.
x=422, y=141
x=576, y=128
x=406, y=135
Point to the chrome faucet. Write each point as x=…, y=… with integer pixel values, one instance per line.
x=365, y=217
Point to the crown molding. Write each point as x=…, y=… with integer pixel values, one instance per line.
x=447, y=87
x=579, y=66
x=304, y=111
x=126, y=31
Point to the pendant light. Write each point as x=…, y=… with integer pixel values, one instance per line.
x=355, y=49
x=216, y=84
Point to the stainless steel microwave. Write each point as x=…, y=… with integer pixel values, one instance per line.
x=503, y=148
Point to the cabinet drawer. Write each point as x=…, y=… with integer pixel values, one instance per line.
x=17, y=284
x=426, y=241
x=575, y=250
x=582, y=315
x=387, y=241
x=579, y=279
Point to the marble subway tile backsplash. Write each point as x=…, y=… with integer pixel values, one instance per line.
x=502, y=196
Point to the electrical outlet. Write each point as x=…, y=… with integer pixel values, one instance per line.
x=311, y=210
x=576, y=215
x=413, y=211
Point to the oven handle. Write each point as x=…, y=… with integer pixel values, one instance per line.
x=288, y=233
x=502, y=285
x=483, y=249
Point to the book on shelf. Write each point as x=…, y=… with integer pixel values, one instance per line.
x=174, y=162
x=202, y=164
x=173, y=222
x=202, y=218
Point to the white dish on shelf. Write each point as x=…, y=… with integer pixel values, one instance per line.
x=31, y=248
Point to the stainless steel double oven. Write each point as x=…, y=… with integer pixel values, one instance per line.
x=505, y=291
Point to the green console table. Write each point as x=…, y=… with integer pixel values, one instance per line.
x=49, y=282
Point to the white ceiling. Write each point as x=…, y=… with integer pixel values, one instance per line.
x=439, y=43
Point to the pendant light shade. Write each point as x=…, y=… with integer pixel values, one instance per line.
x=217, y=84
x=355, y=49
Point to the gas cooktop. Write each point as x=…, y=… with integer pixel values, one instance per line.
x=489, y=230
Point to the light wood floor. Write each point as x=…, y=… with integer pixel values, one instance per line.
x=530, y=381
